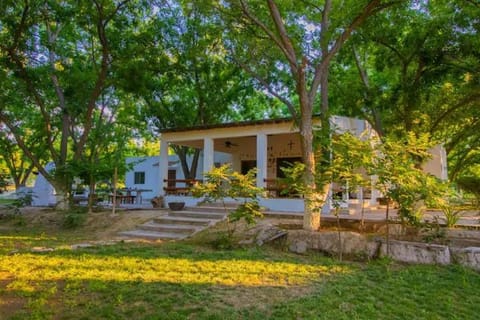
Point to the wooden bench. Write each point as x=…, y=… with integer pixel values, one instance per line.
x=280, y=189
x=184, y=190
x=177, y=190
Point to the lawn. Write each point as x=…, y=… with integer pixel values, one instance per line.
x=5, y=201
x=191, y=281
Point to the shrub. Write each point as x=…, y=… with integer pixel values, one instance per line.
x=470, y=184
x=223, y=182
x=451, y=215
x=74, y=218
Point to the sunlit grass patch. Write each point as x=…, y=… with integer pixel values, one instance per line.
x=241, y=272
x=26, y=238
x=184, y=281
x=171, y=281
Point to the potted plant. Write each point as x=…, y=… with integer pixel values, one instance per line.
x=176, y=206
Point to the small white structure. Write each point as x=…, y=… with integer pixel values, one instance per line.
x=43, y=193
x=144, y=178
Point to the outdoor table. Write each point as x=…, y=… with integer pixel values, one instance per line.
x=126, y=199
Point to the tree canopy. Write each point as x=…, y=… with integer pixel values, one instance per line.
x=82, y=80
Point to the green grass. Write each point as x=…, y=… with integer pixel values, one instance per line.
x=187, y=281
x=6, y=201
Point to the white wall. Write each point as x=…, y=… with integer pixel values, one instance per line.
x=150, y=166
x=43, y=192
x=437, y=165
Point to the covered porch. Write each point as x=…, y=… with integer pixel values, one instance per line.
x=267, y=145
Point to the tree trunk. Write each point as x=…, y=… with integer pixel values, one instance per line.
x=91, y=194
x=114, y=197
x=62, y=198
x=311, y=217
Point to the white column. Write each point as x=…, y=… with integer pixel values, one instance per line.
x=208, y=153
x=261, y=160
x=163, y=166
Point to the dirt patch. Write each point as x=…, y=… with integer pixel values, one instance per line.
x=105, y=226
x=100, y=225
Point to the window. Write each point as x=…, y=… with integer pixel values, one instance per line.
x=139, y=177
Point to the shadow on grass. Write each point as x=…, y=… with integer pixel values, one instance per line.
x=379, y=290
x=95, y=299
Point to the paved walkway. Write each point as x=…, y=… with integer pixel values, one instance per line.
x=468, y=218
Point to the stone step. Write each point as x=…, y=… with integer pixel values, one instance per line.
x=197, y=214
x=183, y=220
x=211, y=209
x=163, y=227
x=220, y=205
x=153, y=235
x=461, y=242
x=283, y=215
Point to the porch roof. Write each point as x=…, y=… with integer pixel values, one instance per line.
x=228, y=125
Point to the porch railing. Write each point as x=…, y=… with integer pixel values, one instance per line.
x=275, y=187
x=278, y=188
x=180, y=186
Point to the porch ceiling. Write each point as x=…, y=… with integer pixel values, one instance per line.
x=227, y=145
x=284, y=143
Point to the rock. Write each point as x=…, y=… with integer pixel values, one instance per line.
x=417, y=252
x=469, y=257
x=81, y=246
x=41, y=249
x=352, y=243
x=261, y=234
x=246, y=242
x=269, y=234
x=298, y=246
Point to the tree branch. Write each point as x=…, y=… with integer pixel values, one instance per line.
x=100, y=81
x=23, y=146
x=284, y=38
x=19, y=65
x=371, y=8
x=268, y=87
x=469, y=99
x=51, y=38
x=269, y=33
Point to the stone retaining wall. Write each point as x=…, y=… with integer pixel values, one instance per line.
x=358, y=245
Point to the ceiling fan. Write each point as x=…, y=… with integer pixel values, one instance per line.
x=229, y=144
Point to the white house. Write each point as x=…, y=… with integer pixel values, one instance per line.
x=266, y=145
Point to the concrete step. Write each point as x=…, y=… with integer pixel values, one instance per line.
x=197, y=214
x=220, y=205
x=173, y=228
x=153, y=235
x=183, y=220
x=214, y=209
x=283, y=215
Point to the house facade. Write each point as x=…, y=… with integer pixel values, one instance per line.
x=266, y=145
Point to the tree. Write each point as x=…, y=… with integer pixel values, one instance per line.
x=19, y=166
x=185, y=79
x=415, y=69
x=58, y=57
x=290, y=53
